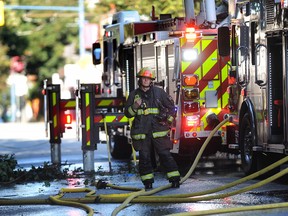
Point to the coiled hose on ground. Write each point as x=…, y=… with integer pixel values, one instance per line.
x=142, y=196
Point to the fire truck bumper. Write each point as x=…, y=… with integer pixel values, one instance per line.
x=200, y=134
x=192, y=142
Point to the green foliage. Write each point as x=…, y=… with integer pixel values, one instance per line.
x=46, y=172
x=38, y=36
x=175, y=8
x=7, y=166
x=41, y=36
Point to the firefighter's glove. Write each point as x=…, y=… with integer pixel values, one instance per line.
x=137, y=103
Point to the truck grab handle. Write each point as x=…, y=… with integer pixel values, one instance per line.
x=45, y=106
x=77, y=110
x=257, y=81
x=245, y=80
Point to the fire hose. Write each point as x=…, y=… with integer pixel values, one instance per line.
x=141, y=196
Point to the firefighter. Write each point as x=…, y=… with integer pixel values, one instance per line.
x=153, y=111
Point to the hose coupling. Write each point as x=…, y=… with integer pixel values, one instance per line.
x=101, y=184
x=229, y=116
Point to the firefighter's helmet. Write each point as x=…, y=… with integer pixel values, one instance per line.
x=146, y=72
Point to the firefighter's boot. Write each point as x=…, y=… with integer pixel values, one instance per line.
x=175, y=181
x=148, y=184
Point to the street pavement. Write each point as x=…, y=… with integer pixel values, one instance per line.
x=31, y=147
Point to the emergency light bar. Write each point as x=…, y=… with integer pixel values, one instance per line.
x=190, y=33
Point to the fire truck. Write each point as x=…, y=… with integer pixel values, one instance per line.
x=257, y=42
x=183, y=53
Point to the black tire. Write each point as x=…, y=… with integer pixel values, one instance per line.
x=247, y=139
x=120, y=148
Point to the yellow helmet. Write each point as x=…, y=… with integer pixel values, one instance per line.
x=146, y=72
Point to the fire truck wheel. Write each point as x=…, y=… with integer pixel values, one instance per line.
x=120, y=148
x=247, y=139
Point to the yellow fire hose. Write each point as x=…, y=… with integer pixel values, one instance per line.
x=57, y=200
x=91, y=198
x=143, y=193
x=141, y=196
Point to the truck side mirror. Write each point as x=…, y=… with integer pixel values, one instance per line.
x=96, y=53
x=224, y=41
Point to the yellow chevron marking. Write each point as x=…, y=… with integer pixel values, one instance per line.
x=70, y=104
x=88, y=120
x=109, y=119
x=205, y=43
x=87, y=99
x=209, y=37
x=209, y=63
x=184, y=65
x=54, y=98
x=225, y=98
x=182, y=41
x=212, y=110
x=88, y=128
x=224, y=73
x=55, y=121
x=124, y=119
x=105, y=102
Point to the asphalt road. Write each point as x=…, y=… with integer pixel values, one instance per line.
x=31, y=147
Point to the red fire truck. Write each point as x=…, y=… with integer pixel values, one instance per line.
x=183, y=53
x=258, y=91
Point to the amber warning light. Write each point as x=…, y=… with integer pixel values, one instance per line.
x=191, y=80
x=190, y=33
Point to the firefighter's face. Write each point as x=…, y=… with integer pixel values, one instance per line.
x=145, y=81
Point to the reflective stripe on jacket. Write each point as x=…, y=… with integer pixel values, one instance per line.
x=145, y=118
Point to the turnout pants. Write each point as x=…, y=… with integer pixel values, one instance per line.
x=162, y=146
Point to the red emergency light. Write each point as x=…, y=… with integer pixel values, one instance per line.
x=192, y=121
x=67, y=119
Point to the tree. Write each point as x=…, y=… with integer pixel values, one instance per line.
x=39, y=39
x=41, y=36
x=175, y=8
